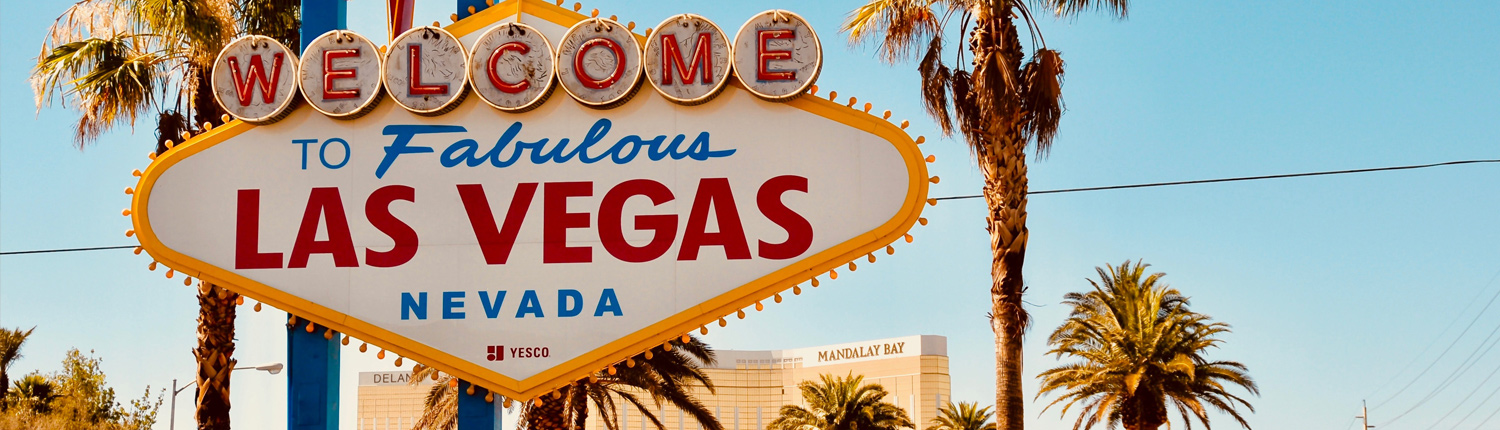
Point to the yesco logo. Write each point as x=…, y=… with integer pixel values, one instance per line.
x=600, y=63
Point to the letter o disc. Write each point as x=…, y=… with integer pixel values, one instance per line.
x=254, y=79
x=777, y=55
x=599, y=63
x=434, y=85
x=340, y=74
x=667, y=65
x=511, y=67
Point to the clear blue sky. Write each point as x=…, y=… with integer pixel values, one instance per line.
x=1333, y=284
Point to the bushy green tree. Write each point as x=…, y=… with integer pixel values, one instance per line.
x=76, y=397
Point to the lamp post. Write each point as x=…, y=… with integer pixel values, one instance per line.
x=273, y=368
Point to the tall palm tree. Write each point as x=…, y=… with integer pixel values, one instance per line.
x=841, y=403
x=963, y=416
x=1002, y=102
x=1141, y=349
x=115, y=60
x=663, y=376
x=10, y=351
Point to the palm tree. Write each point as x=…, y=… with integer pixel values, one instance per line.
x=664, y=376
x=115, y=60
x=963, y=416
x=1141, y=349
x=10, y=351
x=1004, y=105
x=440, y=407
x=841, y=403
x=34, y=393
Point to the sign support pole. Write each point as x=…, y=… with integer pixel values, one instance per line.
x=474, y=413
x=322, y=16
x=464, y=5
x=312, y=378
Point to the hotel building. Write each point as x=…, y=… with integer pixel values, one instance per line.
x=750, y=386
x=387, y=402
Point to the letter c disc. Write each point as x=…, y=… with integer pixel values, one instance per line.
x=511, y=67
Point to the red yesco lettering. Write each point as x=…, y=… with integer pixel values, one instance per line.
x=331, y=74
x=244, y=89
x=714, y=199
x=702, y=60
x=766, y=56
x=414, y=85
x=325, y=208
x=507, y=87
x=589, y=81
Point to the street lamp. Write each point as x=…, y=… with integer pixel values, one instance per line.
x=272, y=368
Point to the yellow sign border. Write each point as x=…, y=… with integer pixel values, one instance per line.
x=611, y=353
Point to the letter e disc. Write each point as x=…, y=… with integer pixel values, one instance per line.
x=426, y=71
x=511, y=67
x=599, y=63
x=777, y=55
x=254, y=79
x=687, y=59
x=340, y=74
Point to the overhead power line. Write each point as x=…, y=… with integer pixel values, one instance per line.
x=1058, y=191
x=48, y=251
x=1238, y=179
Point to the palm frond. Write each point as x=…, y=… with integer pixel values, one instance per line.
x=1072, y=8
x=901, y=25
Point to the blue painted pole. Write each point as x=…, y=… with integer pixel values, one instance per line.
x=312, y=378
x=474, y=413
x=322, y=16
x=464, y=5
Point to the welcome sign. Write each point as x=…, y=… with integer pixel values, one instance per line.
x=440, y=201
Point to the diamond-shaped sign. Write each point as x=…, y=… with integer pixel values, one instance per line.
x=522, y=251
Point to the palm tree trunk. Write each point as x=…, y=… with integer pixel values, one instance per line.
x=216, y=308
x=1006, y=199
x=1002, y=160
x=548, y=415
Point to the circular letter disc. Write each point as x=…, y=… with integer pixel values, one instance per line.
x=433, y=84
x=254, y=79
x=777, y=55
x=340, y=74
x=687, y=59
x=511, y=67
x=599, y=63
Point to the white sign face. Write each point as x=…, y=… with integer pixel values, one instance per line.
x=687, y=59
x=340, y=74
x=777, y=56
x=426, y=70
x=522, y=251
x=599, y=63
x=512, y=67
x=254, y=79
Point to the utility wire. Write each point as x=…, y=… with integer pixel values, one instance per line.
x=1059, y=191
x=48, y=251
x=1238, y=179
x=1451, y=344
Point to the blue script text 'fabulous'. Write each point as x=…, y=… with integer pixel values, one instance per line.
x=467, y=151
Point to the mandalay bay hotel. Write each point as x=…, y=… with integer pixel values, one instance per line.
x=750, y=386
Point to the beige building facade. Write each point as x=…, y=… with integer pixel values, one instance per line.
x=388, y=402
x=750, y=386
